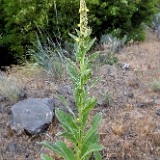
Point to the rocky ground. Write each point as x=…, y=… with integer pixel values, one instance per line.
x=130, y=129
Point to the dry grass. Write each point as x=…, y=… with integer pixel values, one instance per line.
x=9, y=88
x=138, y=134
x=130, y=134
x=30, y=80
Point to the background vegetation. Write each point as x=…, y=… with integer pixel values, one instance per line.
x=21, y=20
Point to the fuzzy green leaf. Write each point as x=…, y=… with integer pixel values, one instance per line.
x=85, y=117
x=73, y=72
x=98, y=156
x=92, y=139
x=61, y=149
x=46, y=157
x=93, y=82
x=92, y=148
x=96, y=120
x=76, y=96
x=68, y=135
x=86, y=78
x=52, y=147
x=77, y=51
x=94, y=126
x=67, y=153
x=78, y=32
x=73, y=36
x=89, y=105
x=92, y=132
x=86, y=72
x=64, y=101
x=67, y=122
x=92, y=56
x=90, y=44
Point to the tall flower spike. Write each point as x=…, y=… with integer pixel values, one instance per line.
x=84, y=29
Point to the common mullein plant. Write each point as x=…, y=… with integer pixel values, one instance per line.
x=84, y=141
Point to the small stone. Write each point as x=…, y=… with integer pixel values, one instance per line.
x=158, y=112
x=146, y=104
x=130, y=95
x=1, y=110
x=12, y=147
x=126, y=66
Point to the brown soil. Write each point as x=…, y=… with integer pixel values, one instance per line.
x=130, y=129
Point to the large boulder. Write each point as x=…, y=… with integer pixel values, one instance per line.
x=32, y=115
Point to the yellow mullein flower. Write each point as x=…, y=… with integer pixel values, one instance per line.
x=77, y=40
x=84, y=29
x=87, y=10
x=79, y=25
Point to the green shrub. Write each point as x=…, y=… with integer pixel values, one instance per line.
x=107, y=17
x=85, y=142
x=155, y=84
x=107, y=97
x=107, y=58
x=111, y=43
x=49, y=56
x=19, y=20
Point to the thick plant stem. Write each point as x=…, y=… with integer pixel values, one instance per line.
x=82, y=100
x=84, y=33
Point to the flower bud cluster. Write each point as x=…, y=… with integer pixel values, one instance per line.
x=84, y=29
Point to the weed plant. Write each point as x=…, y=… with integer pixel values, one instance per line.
x=155, y=84
x=85, y=142
x=107, y=98
x=107, y=58
x=49, y=56
x=110, y=45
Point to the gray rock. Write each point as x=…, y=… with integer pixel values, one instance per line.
x=158, y=112
x=12, y=147
x=67, y=89
x=32, y=115
x=145, y=104
x=126, y=66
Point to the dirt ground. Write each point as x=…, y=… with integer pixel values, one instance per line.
x=130, y=128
